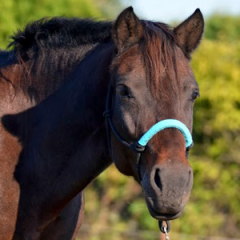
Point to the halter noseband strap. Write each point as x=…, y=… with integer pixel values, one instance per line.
x=167, y=123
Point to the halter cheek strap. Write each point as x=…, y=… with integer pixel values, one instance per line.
x=167, y=123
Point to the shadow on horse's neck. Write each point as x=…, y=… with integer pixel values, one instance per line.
x=64, y=137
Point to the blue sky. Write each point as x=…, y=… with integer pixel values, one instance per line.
x=170, y=10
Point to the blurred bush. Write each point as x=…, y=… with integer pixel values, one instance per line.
x=223, y=27
x=15, y=14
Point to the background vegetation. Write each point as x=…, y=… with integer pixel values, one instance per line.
x=15, y=14
x=114, y=203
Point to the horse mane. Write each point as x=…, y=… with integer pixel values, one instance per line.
x=47, y=41
x=48, y=50
x=59, y=32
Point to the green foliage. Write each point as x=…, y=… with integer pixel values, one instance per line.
x=15, y=14
x=217, y=140
x=223, y=27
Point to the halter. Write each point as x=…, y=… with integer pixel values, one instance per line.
x=140, y=145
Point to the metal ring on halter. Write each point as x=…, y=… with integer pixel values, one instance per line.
x=163, y=227
x=137, y=147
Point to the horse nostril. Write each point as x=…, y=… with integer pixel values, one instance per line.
x=157, y=179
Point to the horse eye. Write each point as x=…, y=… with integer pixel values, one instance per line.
x=123, y=91
x=194, y=96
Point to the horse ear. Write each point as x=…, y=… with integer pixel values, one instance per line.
x=127, y=30
x=189, y=33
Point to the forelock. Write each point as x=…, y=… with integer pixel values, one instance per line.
x=158, y=50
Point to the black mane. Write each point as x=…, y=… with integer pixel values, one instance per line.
x=56, y=46
x=59, y=32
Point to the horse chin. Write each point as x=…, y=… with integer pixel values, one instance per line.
x=163, y=216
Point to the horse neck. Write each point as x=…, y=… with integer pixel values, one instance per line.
x=85, y=104
x=50, y=69
x=68, y=135
x=42, y=74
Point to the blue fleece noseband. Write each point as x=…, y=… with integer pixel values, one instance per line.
x=168, y=123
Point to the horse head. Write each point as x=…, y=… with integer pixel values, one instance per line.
x=152, y=81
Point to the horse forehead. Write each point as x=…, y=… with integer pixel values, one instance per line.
x=129, y=62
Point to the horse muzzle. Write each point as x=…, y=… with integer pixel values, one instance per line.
x=167, y=189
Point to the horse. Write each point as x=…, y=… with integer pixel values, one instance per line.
x=77, y=95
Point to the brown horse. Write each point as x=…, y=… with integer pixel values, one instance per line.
x=54, y=87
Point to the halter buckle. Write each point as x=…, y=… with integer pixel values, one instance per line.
x=107, y=114
x=138, y=147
